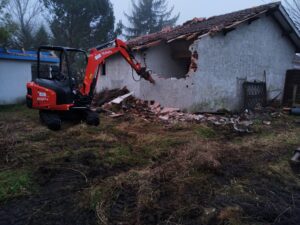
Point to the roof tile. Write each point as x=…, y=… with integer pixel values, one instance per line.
x=202, y=26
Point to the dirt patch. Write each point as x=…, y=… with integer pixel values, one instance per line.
x=56, y=202
x=266, y=202
x=124, y=208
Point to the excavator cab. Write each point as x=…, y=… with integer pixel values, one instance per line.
x=56, y=89
x=65, y=76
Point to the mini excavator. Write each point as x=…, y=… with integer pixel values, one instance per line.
x=65, y=89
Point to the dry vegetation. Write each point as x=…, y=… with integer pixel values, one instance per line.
x=130, y=171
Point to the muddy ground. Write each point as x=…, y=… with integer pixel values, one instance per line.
x=132, y=171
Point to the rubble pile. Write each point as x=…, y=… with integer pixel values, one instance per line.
x=152, y=110
x=108, y=95
x=146, y=109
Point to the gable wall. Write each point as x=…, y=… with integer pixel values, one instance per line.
x=253, y=52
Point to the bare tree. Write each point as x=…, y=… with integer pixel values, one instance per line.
x=293, y=8
x=25, y=14
x=4, y=33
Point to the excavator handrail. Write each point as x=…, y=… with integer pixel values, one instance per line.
x=102, y=46
x=60, y=48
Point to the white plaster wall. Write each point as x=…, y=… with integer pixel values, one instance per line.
x=244, y=53
x=224, y=63
x=118, y=75
x=13, y=78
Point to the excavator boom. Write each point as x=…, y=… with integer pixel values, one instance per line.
x=98, y=56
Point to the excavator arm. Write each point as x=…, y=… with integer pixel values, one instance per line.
x=99, y=54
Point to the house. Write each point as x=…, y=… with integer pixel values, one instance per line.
x=15, y=72
x=203, y=64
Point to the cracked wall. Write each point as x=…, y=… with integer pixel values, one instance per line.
x=256, y=51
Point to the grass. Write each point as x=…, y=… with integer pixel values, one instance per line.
x=15, y=183
x=21, y=110
x=101, y=192
x=205, y=132
x=176, y=173
x=122, y=155
x=40, y=136
x=12, y=108
x=140, y=154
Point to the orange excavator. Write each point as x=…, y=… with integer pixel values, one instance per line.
x=65, y=89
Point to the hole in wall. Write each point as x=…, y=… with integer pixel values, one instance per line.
x=185, y=56
x=175, y=60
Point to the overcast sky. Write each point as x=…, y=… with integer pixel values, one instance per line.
x=189, y=9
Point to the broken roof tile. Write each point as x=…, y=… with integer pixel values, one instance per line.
x=200, y=26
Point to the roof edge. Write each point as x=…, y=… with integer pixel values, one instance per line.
x=27, y=59
x=190, y=29
x=289, y=20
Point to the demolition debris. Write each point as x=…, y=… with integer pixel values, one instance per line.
x=118, y=102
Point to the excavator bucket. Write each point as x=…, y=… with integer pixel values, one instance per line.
x=146, y=74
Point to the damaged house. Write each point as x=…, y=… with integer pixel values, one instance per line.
x=203, y=64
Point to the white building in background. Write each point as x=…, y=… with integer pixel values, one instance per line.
x=15, y=72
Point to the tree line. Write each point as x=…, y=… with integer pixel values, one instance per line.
x=81, y=24
x=86, y=23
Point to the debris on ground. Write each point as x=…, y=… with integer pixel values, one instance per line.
x=121, y=98
x=296, y=156
x=108, y=95
x=267, y=123
x=124, y=102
